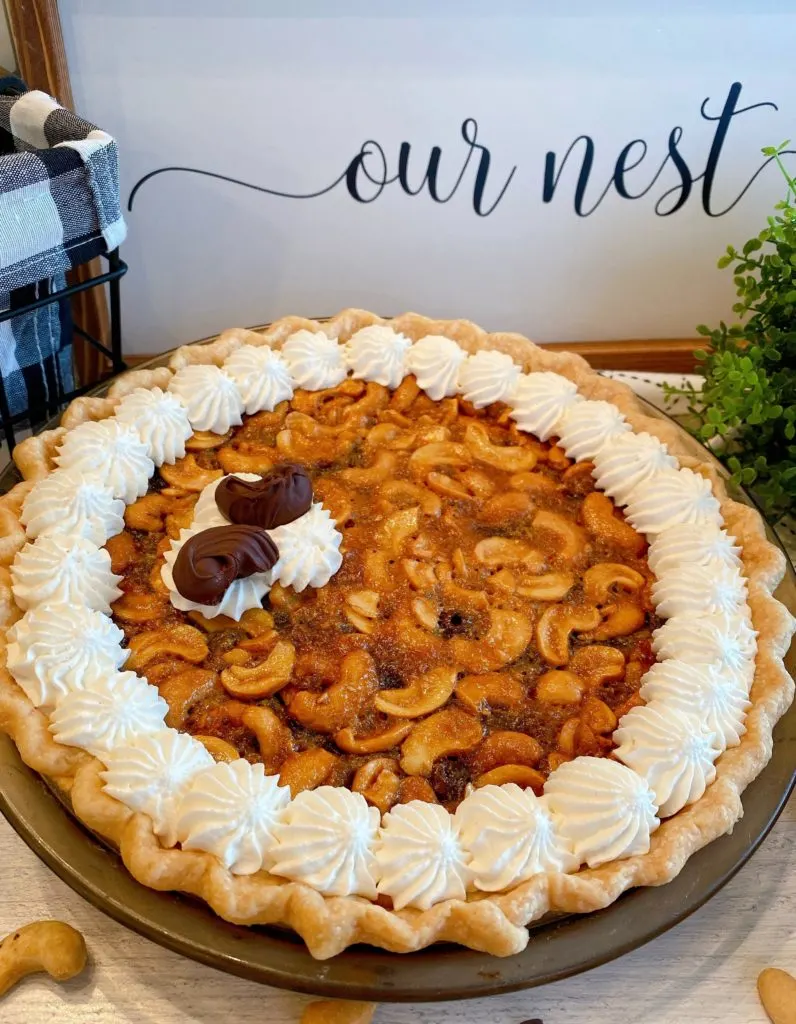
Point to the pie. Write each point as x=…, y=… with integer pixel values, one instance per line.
x=389, y=631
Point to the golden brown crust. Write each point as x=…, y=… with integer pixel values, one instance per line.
x=496, y=924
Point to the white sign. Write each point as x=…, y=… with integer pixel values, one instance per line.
x=572, y=177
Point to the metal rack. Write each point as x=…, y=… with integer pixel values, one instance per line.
x=117, y=268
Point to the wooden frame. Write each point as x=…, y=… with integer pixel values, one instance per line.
x=38, y=41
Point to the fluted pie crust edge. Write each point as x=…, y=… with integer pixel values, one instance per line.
x=495, y=923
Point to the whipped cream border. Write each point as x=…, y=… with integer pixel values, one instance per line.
x=593, y=443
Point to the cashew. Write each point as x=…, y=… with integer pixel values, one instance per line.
x=438, y=453
x=122, y=550
x=448, y=487
x=50, y=946
x=340, y=704
x=218, y=749
x=537, y=484
x=477, y=483
x=492, y=690
x=508, y=635
x=495, y=551
x=559, y=687
x=424, y=694
x=578, y=479
x=405, y=394
x=202, y=440
x=553, y=586
x=519, y=774
x=146, y=513
x=420, y=574
x=598, y=716
x=239, y=460
x=557, y=458
x=306, y=440
x=366, y=602
x=181, y=640
x=597, y=664
x=373, y=744
x=373, y=401
x=601, y=581
x=451, y=731
x=375, y=474
x=463, y=597
x=390, y=437
x=335, y=497
x=183, y=690
x=360, y=623
x=600, y=521
x=307, y=770
x=503, y=508
x=571, y=539
x=188, y=474
x=415, y=788
x=378, y=781
x=510, y=459
x=332, y=1011
x=273, y=737
x=555, y=626
x=216, y=625
x=425, y=613
x=398, y=491
x=623, y=619
x=398, y=527
x=264, y=679
x=506, y=747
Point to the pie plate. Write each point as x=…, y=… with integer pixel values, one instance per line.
x=557, y=948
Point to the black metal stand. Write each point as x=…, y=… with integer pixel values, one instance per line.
x=117, y=268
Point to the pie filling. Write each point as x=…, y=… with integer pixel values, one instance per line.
x=439, y=658
x=491, y=617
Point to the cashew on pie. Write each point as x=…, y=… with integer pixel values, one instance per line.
x=506, y=646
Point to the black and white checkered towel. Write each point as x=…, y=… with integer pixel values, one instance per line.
x=59, y=207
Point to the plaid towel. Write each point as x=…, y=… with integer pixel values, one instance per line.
x=59, y=207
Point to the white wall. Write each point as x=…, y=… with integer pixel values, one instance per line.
x=7, y=58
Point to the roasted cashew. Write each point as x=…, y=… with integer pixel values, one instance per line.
x=504, y=508
x=218, y=749
x=307, y=770
x=552, y=586
x=424, y=694
x=202, y=440
x=508, y=635
x=536, y=484
x=506, y=747
x=601, y=581
x=518, y=774
x=496, y=551
x=425, y=613
x=598, y=716
x=390, y=437
x=183, y=690
x=578, y=479
x=405, y=394
x=145, y=607
x=375, y=474
x=404, y=491
x=181, y=640
x=559, y=686
x=274, y=739
x=397, y=528
x=376, y=743
x=264, y=679
x=187, y=474
x=597, y=664
x=50, y=946
x=600, y=521
x=335, y=497
x=623, y=619
x=147, y=513
x=122, y=550
x=340, y=704
x=510, y=459
x=451, y=731
x=491, y=690
x=461, y=597
x=570, y=537
x=436, y=454
x=362, y=610
x=556, y=624
x=420, y=574
x=378, y=781
x=415, y=788
x=241, y=460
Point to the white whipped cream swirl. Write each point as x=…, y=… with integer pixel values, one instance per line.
x=539, y=401
x=58, y=568
x=325, y=840
x=673, y=497
x=231, y=811
x=378, y=353
x=510, y=836
x=605, y=810
x=152, y=773
x=720, y=700
x=316, y=361
x=486, y=377
x=727, y=640
x=692, y=544
x=624, y=467
x=262, y=375
x=672, y=751
x=55, y=648
x=110, y=710
x=210, y=395
x=697, y=589
x=435, y=361
x=75, y=505
x=588, y=428
x=111, y=453
x=309, y=552
x=161, y=421
x=420, y=857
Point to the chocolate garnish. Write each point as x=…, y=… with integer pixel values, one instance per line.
x=209, y=561
x=281, y=495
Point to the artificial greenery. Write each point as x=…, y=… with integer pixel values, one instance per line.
x=746, y=409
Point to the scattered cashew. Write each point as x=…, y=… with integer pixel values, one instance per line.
x=559, y=687
x=379, y=471
x=601, y=581
x=597, y=664
x=451, y=731
x=188, y=474
x=556, y=624
x=145, y=607
x=415, y=788
x=399, y=491
x=202, y=440
x=183, y=690
x=552, y=586
x=495, y=551
x=306, y=770
x=536, y=483
x=340, y=704
x=600, y=521
x=378, y=781
x=274, y=738
x=239, y=460
x=570, y=537
x=424, y=694
x=510, y=459
x=398, y=527
x=508, y=635
x=264, y=679
x=519, y=774
x=504, y=508
x=438, y=453
x=218, y=749
x=146, y=513
x=122, y=550
x=623, y=619
x=506, y=747
x=50, y=946
x=373, y=744
x=181, y=640
x=493, y=689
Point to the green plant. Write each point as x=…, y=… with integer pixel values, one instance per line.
x=746, y=409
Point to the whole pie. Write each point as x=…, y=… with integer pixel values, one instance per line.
x=389, y=631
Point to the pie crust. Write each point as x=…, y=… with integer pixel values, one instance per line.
x=496, y=924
